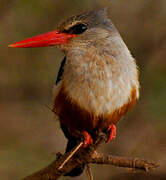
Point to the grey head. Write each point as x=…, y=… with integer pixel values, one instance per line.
x=89, y=27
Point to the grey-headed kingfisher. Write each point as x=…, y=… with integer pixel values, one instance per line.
x=98, y=79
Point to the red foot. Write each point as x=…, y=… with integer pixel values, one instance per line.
x=112, y=130
x=87, y=139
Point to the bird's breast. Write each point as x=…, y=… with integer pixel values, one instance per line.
x=99, y=84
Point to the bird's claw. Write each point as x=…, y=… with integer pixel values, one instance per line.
x=112, y=132
x=87, y=139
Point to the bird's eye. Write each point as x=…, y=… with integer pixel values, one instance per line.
x=77, y=29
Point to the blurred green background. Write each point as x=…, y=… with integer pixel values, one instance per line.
x=29, y=136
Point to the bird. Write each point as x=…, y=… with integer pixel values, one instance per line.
x=98, y=79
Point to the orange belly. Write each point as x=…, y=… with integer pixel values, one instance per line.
x=77, y=119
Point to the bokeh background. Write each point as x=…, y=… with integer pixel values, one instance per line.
x=29, y=136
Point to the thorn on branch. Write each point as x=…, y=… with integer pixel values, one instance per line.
x=71, y=153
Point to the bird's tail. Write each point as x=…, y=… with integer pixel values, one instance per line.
x=78, y=170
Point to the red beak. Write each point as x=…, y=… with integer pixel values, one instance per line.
x=43, y=40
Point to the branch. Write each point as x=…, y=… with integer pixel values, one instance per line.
x=86, y=156
x=118, y=161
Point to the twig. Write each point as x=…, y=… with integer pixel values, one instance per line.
x=89, y=172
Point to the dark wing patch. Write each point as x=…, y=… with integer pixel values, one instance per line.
x=60, y=72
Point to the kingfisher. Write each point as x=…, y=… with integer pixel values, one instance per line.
x=97, y=82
